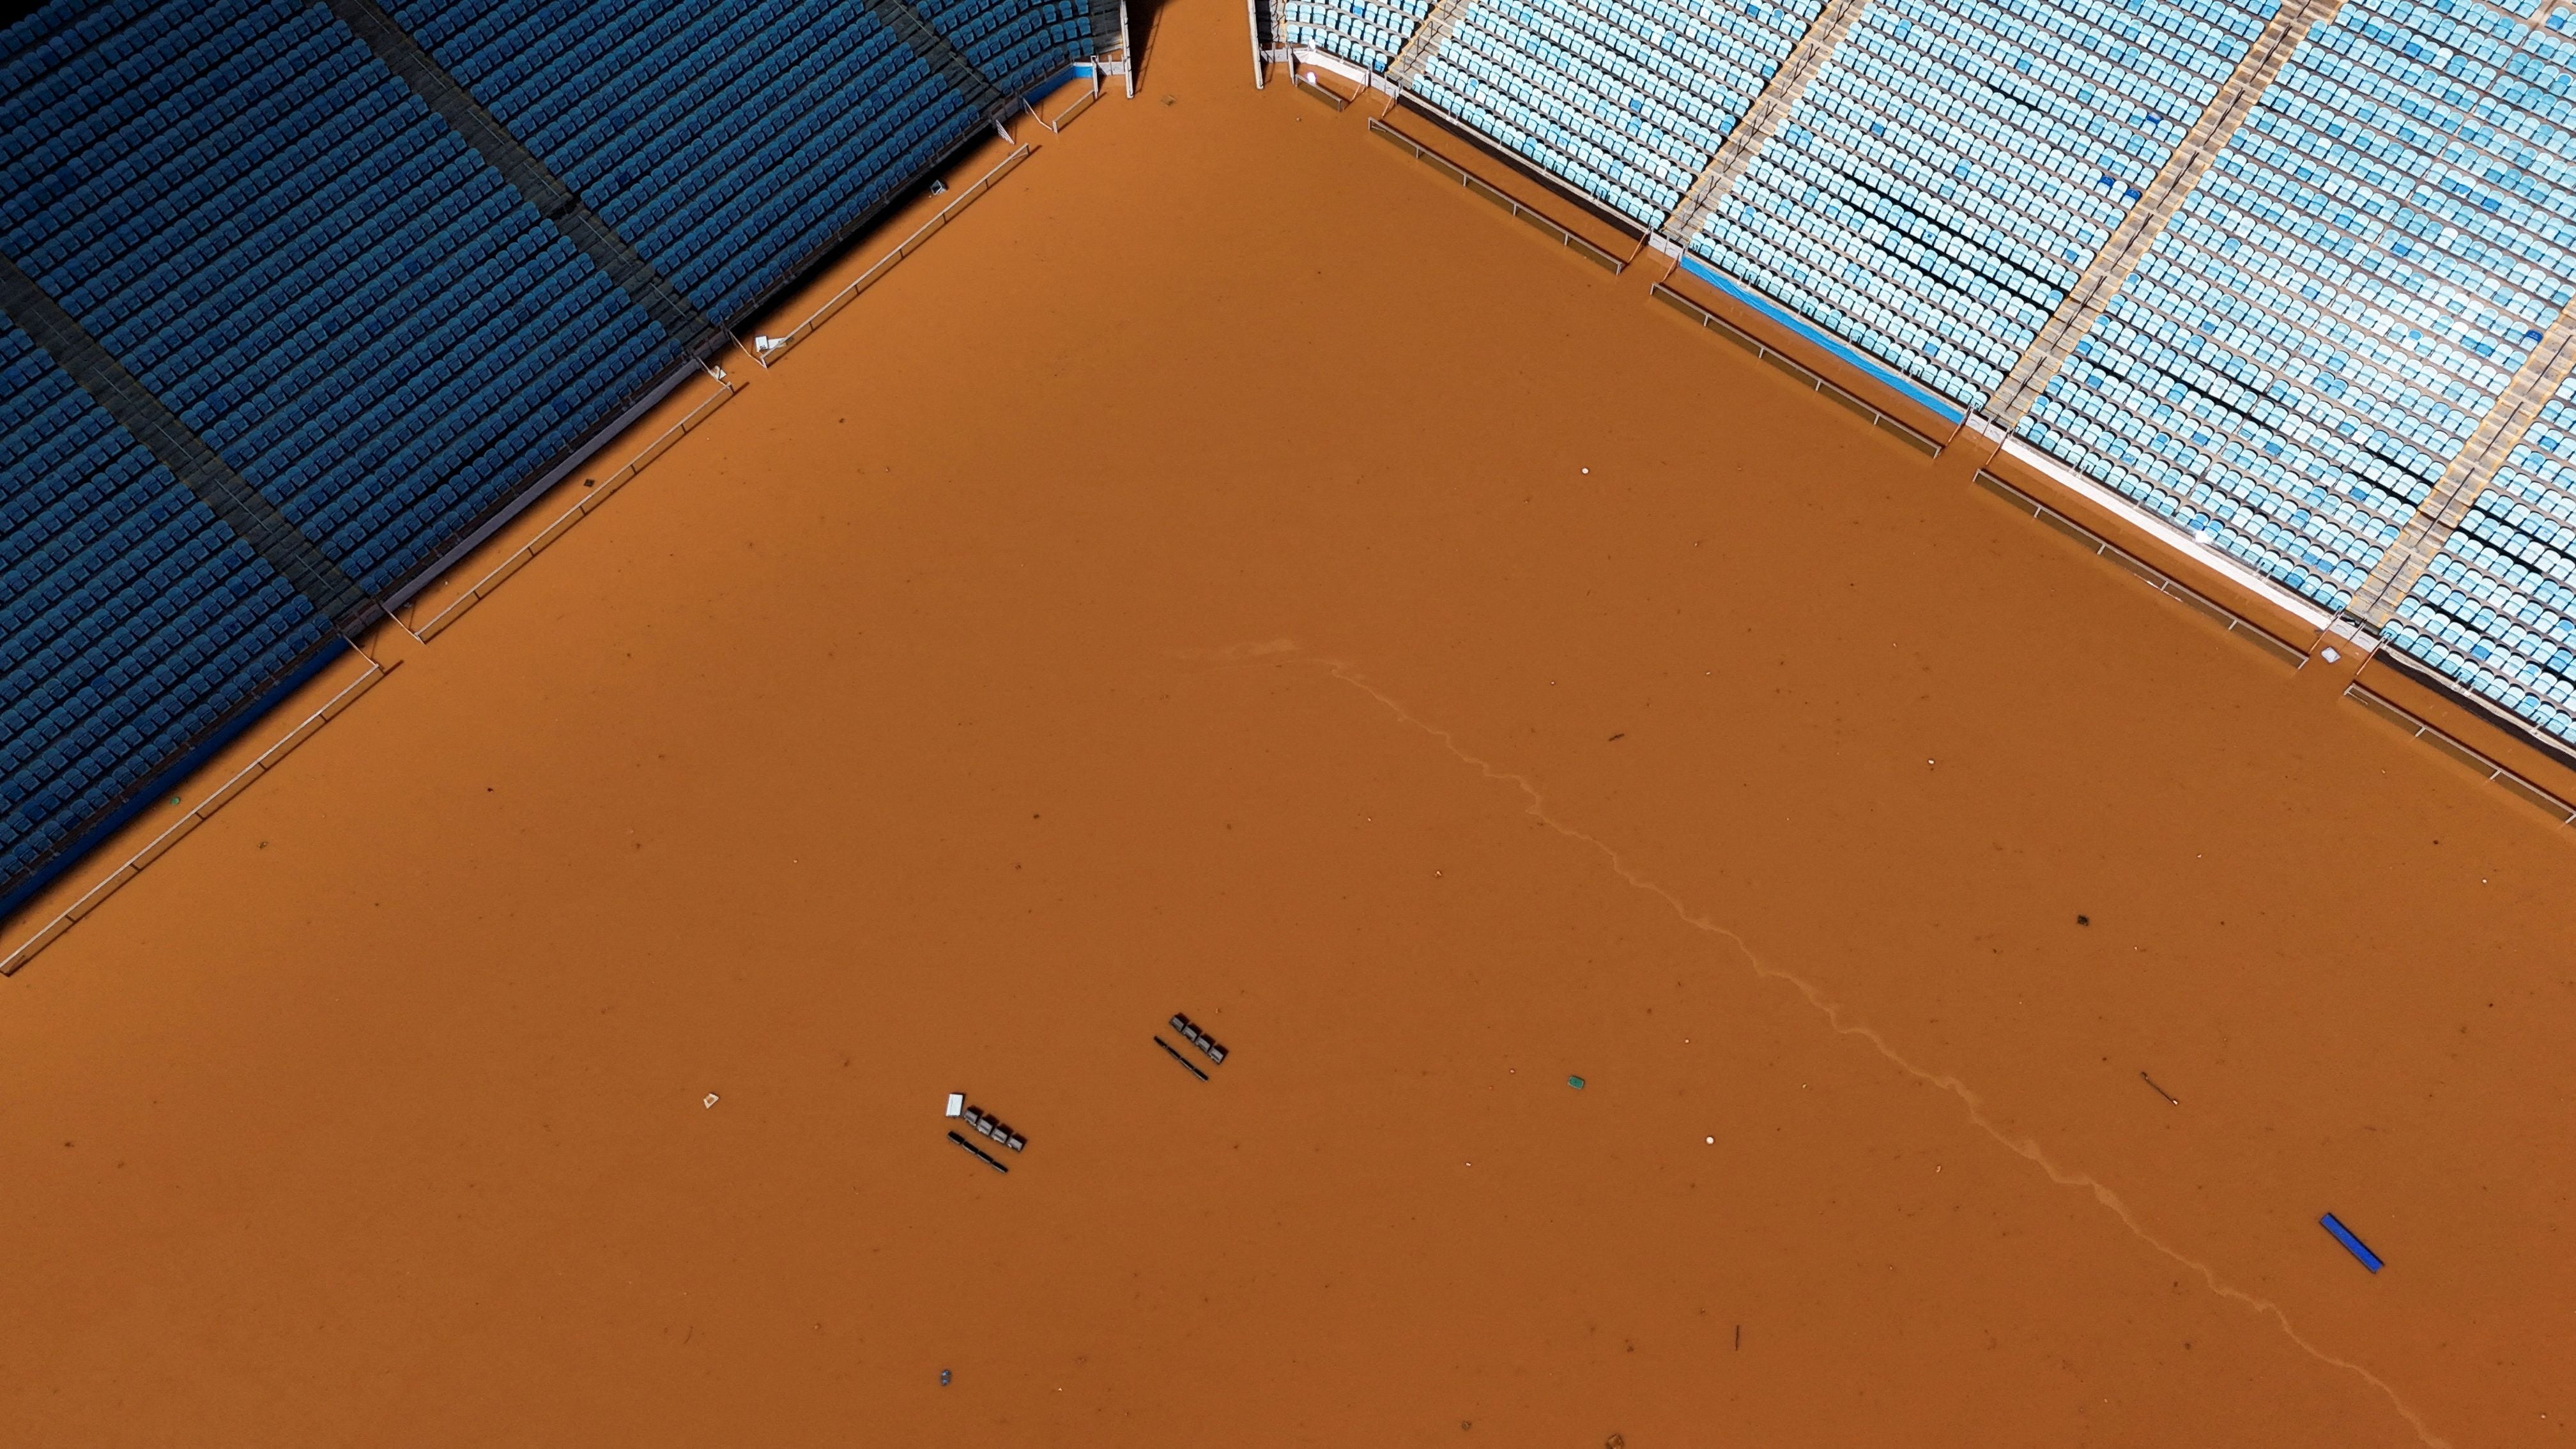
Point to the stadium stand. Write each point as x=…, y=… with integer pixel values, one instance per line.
x=1954, y=168
x=1016, y=46
x=2342, y=300
x=1627, y=102
x=2342, y=281
x=129, y=615
x=2496, y=610
x=1367, y=35
x=277, y=238
x=677, y=122
x=305, y=296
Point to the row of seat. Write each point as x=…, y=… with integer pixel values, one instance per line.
x=1690, y=71
x=1366, y=34
x=1781, y=245
x=130, y=619
x=2312, y=337
x=2192, y=499
x=198, y=253
x=2362, y=269
x=280, y=240
x=2496, y=610
x=1629, y=100
x=741, y=253
x=214, y=656
x=2197, y=435
x=1953, y=169
x=379, y=315
x=1013, y=43
x=2216, y=281
x=2320, y=167
x=1620, y=99
x=674, y=122
x=1535, y=78
x=644, y=200
x=98, y=169
x=2171, y=373
x=575, y=113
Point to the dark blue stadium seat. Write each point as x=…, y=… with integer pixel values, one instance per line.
x=108, y=562
x=275, y=235
x=729, y=142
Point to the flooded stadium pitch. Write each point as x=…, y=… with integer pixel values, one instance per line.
x=1483, y=869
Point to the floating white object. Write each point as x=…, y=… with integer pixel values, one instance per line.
x=2330, y=654
x=957, y=1104
x=709, y=1101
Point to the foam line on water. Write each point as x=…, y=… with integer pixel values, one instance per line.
x=1835, y=1016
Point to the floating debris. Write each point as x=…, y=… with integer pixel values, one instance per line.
x=1187, y=1065
x=988, y=1159
x=986, y=1124
x=1190, y=1033
x=2356, y=1246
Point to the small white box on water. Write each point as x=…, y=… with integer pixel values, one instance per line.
x=957, y=1104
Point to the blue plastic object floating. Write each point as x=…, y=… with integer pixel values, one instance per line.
x=1575, y=1082
x=2358, y=1248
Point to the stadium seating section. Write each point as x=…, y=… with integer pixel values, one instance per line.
x=1366, y=35
x=1633, y=100
x=679, y=123
x=128, y=614
x=2338, y=304
x=2310, y=339
x=1955, y=167
x=2496, y=612
x=313, y=272
x=1018, y=46
x=363, y=318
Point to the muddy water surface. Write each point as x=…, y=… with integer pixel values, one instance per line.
x=1227, y=572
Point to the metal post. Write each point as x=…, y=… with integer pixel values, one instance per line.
x=1260, y=72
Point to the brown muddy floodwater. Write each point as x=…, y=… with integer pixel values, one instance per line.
x=1229, y=573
